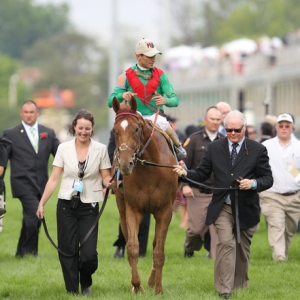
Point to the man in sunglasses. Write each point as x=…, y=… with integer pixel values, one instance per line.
x=281, y=203
x=236, y=162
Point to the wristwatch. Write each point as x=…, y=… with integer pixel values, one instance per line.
x=254, y=184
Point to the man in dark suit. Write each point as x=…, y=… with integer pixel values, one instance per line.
x=29, y=153
x=230, y=158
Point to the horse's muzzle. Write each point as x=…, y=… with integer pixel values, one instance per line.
x=126, y=167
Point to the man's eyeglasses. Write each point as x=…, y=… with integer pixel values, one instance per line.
x=284, y=126
x=237, y=130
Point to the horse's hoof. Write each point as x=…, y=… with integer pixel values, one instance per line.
x=151, y=283
x=158, y=291
x=135, y=290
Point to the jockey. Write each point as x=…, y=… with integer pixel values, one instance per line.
x=151, y=88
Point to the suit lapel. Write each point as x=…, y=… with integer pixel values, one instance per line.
x=241, y=154
x=225, y=151
x=73, y=154
x=25, y=137
x=94, y=151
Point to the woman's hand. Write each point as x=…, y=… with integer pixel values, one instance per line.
x=40, y=211
x=108, y=182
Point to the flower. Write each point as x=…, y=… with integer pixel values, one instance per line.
x=43, y=135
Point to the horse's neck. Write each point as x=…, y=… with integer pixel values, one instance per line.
x=152, y=149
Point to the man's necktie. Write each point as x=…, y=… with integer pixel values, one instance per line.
x=35, y=141
x=233, y=153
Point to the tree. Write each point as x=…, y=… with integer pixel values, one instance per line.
x=22, y=23
x=72, y=61
x=255, y=18
x=213, y=22
x=9, y=116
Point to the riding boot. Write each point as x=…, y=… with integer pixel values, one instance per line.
x=180, y=151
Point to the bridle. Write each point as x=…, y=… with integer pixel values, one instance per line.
x=124, y=146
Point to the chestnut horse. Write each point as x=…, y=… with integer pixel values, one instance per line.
x=146, y=189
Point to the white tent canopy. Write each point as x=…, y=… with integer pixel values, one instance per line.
x=243, y=45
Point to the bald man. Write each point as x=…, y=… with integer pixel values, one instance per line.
x=224, y=108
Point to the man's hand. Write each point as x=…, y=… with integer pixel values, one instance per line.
x=127, y=95
x=245, y=184
x=179, y=170
x=159, y=99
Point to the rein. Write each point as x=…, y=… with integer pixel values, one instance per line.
x=151, y=135
x=235, y=188
x=144, y=162
x=88, y=233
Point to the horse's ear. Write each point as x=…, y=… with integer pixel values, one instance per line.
x=116, y=104
x=133, y=103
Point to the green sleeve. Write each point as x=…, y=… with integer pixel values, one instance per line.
x=167, y=89
x=117, y=92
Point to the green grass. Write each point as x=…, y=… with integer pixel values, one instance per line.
x=41, y=278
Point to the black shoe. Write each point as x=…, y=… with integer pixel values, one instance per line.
x=188, y=254
x=224, y=295
x=119, y=252
x=86, y=291
x=2, y=211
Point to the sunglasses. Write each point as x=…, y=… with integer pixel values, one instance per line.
x=237, y=130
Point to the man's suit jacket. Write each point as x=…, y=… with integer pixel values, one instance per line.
x=252, y=162
x=29, y=170
x=66, y=158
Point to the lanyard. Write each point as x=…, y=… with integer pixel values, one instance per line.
x=286, y=154
x=81, y=170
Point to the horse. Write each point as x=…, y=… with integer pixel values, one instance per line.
x=146, y=189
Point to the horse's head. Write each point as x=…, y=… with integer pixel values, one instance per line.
x=128, y=133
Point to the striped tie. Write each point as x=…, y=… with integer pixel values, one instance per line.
x=233, y=153
x=34, y=140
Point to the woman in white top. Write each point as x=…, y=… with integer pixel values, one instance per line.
x=84, y=165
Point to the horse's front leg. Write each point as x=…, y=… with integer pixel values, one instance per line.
x=133, y=220
x=163, y=219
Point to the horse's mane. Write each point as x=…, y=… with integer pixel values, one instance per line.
x=124, y=107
